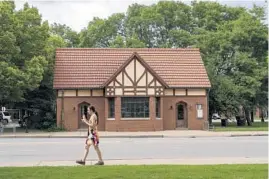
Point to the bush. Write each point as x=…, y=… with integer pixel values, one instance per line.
x=54, y=128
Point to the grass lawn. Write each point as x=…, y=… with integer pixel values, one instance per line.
x=139, y=172
x=256, y=126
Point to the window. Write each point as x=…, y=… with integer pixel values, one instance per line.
x=199, y=111
x=180, y=112
x=111, y=108
x=84, y=110
x=158, y=114
x=134, y=107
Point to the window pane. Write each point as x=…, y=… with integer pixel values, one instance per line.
x=180, y=115
x=111, y=104
x=158, y=115
x=135, y=107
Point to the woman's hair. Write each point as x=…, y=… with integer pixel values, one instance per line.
x=92, y=108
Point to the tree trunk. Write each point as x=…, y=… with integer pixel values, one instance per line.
x=247, y=116
x=252, y=116
x=261, y=114
x=210, y=120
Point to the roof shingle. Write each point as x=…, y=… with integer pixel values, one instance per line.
x=92, y=67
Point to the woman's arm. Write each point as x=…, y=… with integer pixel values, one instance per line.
x=86, y=122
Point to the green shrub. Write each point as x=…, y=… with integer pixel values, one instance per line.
x=54, y=128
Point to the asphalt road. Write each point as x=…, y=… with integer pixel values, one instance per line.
x=14, y=150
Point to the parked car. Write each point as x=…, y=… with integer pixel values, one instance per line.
x=5, y=117
x=215, y=116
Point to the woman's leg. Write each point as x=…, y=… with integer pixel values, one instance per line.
x=87, y=147
x=98, y=151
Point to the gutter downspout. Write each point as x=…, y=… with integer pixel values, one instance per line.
x=208, y=116
x=62, y=109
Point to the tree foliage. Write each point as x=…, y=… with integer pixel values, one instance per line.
x=22, y=37
x=232, y=40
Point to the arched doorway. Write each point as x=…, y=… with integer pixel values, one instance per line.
x=181, y=115
x=82, y=110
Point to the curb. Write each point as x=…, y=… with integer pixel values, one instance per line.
x=139, y=136
x=244, y=135
x=142, y=136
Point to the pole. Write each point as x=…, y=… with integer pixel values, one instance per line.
x=62, y=109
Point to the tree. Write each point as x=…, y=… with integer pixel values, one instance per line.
x=21, y=42
x=232, y=40
x=236, y=51
x=70, y=37
x=102, y=32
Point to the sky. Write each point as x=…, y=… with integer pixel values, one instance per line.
x=77, y=13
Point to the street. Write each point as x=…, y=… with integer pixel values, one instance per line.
x=20, y=150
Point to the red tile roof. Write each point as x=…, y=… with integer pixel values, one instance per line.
x=91, y=67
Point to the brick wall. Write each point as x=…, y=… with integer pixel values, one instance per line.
x=167, y=121
x=72, y=111
x=151, y=124
x=170, y=115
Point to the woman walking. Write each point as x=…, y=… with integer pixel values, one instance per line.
x=93, y=138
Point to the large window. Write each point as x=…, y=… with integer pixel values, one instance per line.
x=158, y=114
x=134, y=107
x=111, y=108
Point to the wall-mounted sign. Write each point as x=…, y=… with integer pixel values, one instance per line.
x=200, y=113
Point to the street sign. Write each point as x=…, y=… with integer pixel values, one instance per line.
x=3, y=109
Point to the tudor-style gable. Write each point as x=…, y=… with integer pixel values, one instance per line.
x=135, y=78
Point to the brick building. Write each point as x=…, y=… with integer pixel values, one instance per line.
x=132, y=89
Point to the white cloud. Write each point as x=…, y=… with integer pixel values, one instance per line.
x=77, y=13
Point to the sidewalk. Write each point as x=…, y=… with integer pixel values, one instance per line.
x=185, y=161
x=157, y=134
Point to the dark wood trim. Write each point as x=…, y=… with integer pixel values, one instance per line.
x=132, y=91
x=174, y=92
x=146, y=82
x=91, y=92
x=138, y=96
x=83, y=97
x=155, y=87
x=123, y=82
x=98, y=88
x=141, y=92
x=153, y=73
x=116, y=81
x=145, y=71
x=135, y=57
x=124, y=72
x=151, y=83
x=134, y=70
x=128, y=87
x=76, y=92
x=186, y=92
x=127, y=62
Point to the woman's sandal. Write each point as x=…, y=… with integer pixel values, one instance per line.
x=80, y=162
